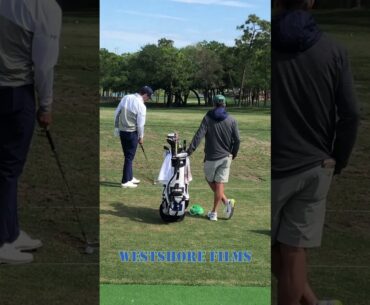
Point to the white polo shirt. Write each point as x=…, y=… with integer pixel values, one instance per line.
x=29, y=45
x=130, y=114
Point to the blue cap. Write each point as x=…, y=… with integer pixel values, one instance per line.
x=146, y=90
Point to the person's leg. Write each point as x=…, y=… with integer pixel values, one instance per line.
x=308, y=297
x=218, y=194
x=16, y=130
x=292, y=277
x=212, y=185
x=129, y=142
x=300, y=226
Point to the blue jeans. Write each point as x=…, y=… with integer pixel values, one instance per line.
x=129, y=141
x=17, y=122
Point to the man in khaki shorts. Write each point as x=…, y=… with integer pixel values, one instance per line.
x=314, y=124
x=221, y=147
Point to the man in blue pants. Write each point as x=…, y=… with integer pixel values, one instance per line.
x=29, y=43
x=129, y=121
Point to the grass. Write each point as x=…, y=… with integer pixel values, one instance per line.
x=182, y=295
x=60, y=274
x=130, y=218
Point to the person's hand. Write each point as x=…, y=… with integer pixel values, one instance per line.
x=141, y=141
x=44, y=119
x=116, y=132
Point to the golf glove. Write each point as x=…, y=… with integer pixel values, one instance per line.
x=116, y=132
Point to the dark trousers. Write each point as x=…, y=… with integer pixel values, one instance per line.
x=17, y=122
x=129, y=141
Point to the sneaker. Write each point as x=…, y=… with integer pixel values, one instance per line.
x=128, y=184
x=25, y=243
x=134, y=180
x=212, y=216
x=10, y=255
x=329, y=302
x=229, y=211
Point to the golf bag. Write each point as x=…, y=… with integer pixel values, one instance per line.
x=175, y=176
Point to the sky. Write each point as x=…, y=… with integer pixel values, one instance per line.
x=128, y=25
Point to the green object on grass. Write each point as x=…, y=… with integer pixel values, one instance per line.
x=196, y=209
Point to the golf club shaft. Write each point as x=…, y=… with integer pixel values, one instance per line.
x=56, y=156
x=149, y=165
x=142, y=148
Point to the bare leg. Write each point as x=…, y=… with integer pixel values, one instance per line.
x=213, y=187
x=309, y=297
x=218, y=194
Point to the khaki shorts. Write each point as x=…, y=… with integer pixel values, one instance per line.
x=298, y=205
x=218, y=170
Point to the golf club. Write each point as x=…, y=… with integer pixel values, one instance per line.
x=89, y=246
x=149, y=166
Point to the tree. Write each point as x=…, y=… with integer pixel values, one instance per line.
x=254, y=41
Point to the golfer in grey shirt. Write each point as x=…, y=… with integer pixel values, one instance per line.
x=222, y=144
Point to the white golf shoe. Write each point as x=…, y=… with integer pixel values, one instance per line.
x=229, y=210
x=10, y=255
x=129, y=184
x=212, y=216
x=25, y=243
x=134, y=180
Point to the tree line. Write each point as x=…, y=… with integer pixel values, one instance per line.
x=203, y=70
x=325, y=4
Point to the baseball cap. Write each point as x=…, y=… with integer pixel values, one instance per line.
x=146, y=90
x=219, y=100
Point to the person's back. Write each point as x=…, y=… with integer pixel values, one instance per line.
x=221, y=134
x=130, y=107
x=29, y=44
x=311, y=81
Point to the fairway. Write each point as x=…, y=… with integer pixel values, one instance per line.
x=130, y=219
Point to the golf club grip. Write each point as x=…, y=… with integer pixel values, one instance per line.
x=50, y=139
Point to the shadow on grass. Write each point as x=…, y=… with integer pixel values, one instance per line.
x=134, y=213
x=110, y=184
x=263, y=232
x=204, y=217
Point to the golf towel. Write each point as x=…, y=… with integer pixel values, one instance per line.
x=166, y=171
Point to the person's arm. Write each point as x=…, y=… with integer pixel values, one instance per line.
x=348, y=117
x=141, y=117
x=45, y=49
x=236, y=140
x=117, y=114
x=199, y=135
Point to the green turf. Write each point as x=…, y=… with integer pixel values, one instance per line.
x=130, y=219
x=183, y=295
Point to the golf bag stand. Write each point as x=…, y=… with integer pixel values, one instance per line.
x=175, y=195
